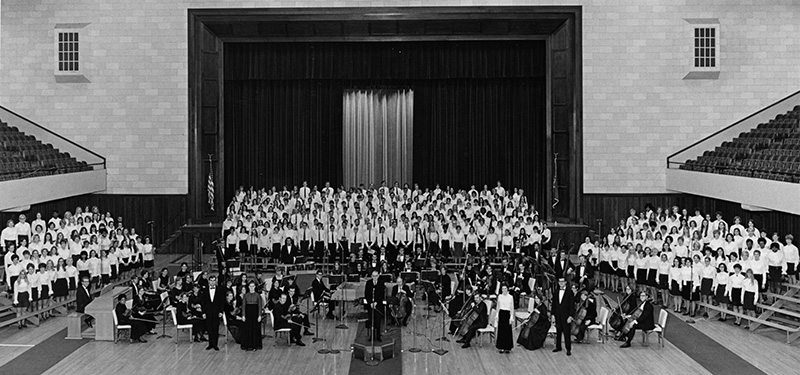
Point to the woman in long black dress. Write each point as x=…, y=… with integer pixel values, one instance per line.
x=534, y=330
x=252, y=305
x=505, y=316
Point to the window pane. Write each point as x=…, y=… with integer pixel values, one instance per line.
x=696, y=32
x=711, y=32
x=76, y=36
x=76, y=57
x=76, y=66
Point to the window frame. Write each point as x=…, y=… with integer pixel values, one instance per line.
x=716, y=48
x=80, y=51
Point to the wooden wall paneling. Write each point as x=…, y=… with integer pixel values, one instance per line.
x=167, y=212
x=611, y=208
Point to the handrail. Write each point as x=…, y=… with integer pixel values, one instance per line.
x=730, y=126
x=55, y=134
x=170, y=221
x=29, y=172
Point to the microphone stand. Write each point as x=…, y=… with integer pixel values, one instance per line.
x=372, y=361
x=441, y=351
x=414, y=348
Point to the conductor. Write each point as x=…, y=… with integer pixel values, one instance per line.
x=374, y=293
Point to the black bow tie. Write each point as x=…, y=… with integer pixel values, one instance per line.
x=212, y=288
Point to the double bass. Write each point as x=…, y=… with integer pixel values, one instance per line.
x=527, y=325
x=467, y=315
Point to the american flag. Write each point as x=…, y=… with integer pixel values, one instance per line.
x=210, y=183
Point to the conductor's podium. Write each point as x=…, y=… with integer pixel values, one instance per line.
x=381, y=351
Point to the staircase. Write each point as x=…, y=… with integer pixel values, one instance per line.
x=785, y=311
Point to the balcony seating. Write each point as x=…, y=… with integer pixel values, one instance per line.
x=770, y=151
x=23, y=156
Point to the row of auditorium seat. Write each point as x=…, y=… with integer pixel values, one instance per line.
x=24, y=156
x=769, y=151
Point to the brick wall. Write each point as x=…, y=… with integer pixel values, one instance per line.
x=637, y=107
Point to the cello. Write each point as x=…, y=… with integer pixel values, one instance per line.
x=616, y=321
x=577, y=319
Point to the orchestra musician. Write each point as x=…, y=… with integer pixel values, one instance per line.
x=233, y=312
x=481, y=321
x=587, y=302
x=322, y=293
x=185, y=315
x=138, y=328
x=534, y=330
x=404, y=295
x=285, y=319
x=294, y=298
x=563, y=306
x=374, y=293
x=584, y=273
x=643, y=322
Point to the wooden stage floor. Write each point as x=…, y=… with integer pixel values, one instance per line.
x=164, y=356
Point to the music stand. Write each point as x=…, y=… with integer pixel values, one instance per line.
x=429, y=275
x=335, y=280
x=164, y=302
x=353, y=278
x=385, y=278
x=409, y=277
x=419, y=264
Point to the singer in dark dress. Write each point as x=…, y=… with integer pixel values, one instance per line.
x=374, y=294
x=563, y=306
x=252, y=305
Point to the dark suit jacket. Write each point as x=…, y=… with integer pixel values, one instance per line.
x=561, y=270
x=565, y=308
x=483, y=316
x=318, y=287
x=82, y=298
x=212, y=308
x=379, y=292
x=645, y=321
x=409, y=293
x=588, y=271
x=286, y=257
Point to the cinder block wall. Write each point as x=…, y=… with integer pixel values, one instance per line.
x=637, y=107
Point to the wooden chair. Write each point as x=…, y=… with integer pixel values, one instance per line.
x=601, y=328
x=225, y=326
x=179, y=327
x=659, y=329
x=119, y=327
x=278, y=332
x=521, y=316
x=490, y=329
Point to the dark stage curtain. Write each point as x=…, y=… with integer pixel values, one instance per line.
x=480, y=132
x=282, y=133
x=382, y=61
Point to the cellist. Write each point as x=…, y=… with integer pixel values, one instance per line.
x=644, y=321
x=585, y=314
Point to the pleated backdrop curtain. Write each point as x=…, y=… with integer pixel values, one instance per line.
x=378, y=134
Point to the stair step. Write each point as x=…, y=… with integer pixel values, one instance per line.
x=785, y=298
x=779, y=310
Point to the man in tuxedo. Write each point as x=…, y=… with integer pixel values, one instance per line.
x=563, y=267
x=563, y=306
x=213, y=303
x=584, y=273
x=318, y=288
x=288, y=252
x=374, y=294
x=82, y=298
x=481, y=322
x=644, y=322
